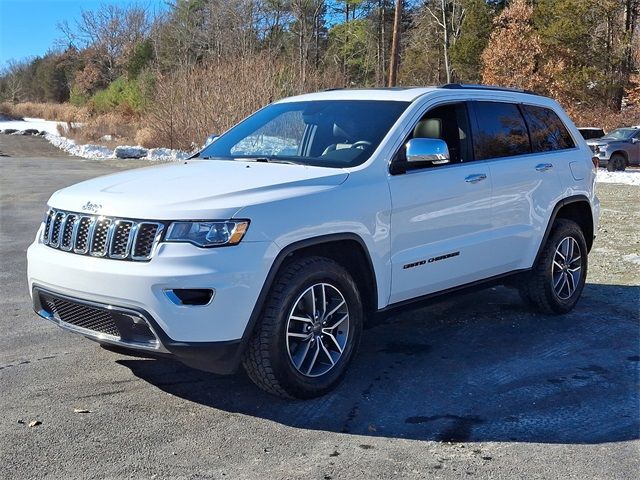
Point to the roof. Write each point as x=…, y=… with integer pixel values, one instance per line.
x=398, y=94
x=403, y=94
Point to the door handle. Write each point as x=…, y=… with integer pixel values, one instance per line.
x=543, y=167
x=475, y=178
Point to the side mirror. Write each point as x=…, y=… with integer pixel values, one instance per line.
x=210, y=139
x=431, y=150
x=635, y=140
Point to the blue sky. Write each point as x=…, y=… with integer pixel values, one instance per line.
x=29, y=27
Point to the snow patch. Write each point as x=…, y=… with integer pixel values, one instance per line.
x=84, y=151
x=166, y=154
x=632, y=257
x=93, y=152
x=35, y=123
x=628, y=177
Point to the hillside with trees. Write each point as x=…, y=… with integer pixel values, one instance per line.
x=172, y=78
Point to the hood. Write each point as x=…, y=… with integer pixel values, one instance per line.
x=604, y=141
x=195, y=189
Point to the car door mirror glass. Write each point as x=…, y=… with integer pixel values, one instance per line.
x=431, y=150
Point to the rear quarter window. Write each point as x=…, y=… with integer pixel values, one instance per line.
x=548, y=132
x=501, y=131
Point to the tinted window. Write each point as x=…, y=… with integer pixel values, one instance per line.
x=501, y=131
x=546, y=129
x=589, y=133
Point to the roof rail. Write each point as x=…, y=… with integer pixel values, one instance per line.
x=470, y=86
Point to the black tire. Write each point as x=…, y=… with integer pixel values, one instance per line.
x=617, y=163
x=537, y=287
x=267, y=361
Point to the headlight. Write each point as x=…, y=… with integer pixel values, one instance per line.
x=208, y=234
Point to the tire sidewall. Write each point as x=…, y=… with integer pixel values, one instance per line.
x=324, y=272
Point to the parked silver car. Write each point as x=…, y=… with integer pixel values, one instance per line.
x=617, y=149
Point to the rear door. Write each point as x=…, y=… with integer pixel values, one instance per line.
x=441, y=214
x=524, y=170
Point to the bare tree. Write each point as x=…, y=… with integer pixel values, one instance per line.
x=449, y=16
x=111, y=31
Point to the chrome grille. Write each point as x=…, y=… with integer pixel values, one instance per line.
x=100, y=236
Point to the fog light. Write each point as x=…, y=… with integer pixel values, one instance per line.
x=190, y=296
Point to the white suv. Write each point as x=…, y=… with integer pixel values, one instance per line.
x=275, y=244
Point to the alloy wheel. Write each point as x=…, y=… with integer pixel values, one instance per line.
x=317, y=330
x=566, y=268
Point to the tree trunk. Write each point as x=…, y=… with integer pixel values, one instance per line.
x=445, y=42
x=395, y=46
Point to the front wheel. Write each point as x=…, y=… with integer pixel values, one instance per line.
x=309, y=330
x=617, y=163
x=555, y=283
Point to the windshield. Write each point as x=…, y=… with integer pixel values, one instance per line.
x=327, y=133
x=621, y=134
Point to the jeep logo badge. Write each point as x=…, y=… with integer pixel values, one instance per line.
x=91, y=207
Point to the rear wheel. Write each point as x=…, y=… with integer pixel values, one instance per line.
x=309, y=330
x=555, y=283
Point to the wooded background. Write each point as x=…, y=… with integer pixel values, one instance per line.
x=172, y=78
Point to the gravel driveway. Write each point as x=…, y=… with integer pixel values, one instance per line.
x=475, y=386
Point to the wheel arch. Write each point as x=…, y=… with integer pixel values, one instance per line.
x=348, y=249
x=624, y=154
x=576, y=208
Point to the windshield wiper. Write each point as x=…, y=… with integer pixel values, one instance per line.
x=266, y=160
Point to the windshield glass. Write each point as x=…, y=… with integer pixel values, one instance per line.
x=621, y=134
x=327, y=133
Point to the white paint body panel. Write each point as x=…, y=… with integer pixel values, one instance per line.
x=497, y=225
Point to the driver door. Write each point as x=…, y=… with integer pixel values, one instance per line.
x=441, y=215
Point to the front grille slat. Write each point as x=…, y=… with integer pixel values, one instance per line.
x=66, y=239
x=56, y=225
x=145, y=239
x=99, y=236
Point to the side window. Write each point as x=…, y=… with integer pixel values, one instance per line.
x=501, y=131
x=547, y=131
x=449, y=123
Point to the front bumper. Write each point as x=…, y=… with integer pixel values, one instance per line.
x=135, y=330
x=198, y=335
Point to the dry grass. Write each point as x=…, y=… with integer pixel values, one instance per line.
x=61, y=112
x=194, y=102
x=120, y=129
